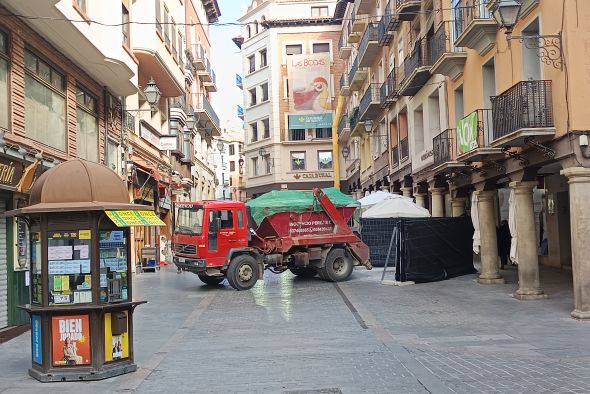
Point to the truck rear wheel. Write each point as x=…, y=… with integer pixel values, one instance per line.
x=304, y=272
x=242, y=273
x=211, y=280
x=338, y=266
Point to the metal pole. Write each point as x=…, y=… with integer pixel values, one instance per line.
x=393, y=237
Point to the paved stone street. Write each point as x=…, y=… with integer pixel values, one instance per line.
x=290, y=335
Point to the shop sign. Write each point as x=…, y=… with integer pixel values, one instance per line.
x=36, y=339
x=467, y=133
x=313, y=175
x=169, y=142
x=11, y=172
x=149, y=135
x=427, y=154
x=310, y=121
x=21, y=262
x=70, y=340
x=134, y=218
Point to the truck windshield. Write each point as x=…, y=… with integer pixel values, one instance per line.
x=189, y=219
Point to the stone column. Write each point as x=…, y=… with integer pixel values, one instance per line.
x=438, y=202
x=579, y=194
x=529, y=286
x=420, y=199
x=407, y=191
x=458, y=206
x=488, y=239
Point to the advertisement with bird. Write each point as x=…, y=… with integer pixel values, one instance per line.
x=310, y=90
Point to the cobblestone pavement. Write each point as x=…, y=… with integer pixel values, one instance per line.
x=290, y=335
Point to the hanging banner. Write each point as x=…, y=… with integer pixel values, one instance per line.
x=467, y=133
x=311, y=121
x=309, y=83
x=70, y=340
x=134, y=218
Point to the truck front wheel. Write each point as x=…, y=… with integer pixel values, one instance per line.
x=338, y=266
x=242, y=273
x=211, y=280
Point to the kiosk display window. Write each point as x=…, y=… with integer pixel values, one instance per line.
x=36, y=269
x=69, y=272
x=114, y=266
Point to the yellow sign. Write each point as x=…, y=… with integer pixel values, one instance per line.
x=116, y=347
x=134, y=218
x=84, y=234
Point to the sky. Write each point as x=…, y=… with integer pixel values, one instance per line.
x=227, y=61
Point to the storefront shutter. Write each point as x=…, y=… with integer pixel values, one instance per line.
x=3, y=270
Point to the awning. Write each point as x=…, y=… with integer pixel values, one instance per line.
x=134, y=218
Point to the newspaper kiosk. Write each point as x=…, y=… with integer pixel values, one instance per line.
x=81, y=289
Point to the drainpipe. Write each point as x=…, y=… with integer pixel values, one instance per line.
x=105, y=95
x=335, y=155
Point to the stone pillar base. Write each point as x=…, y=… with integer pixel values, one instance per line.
x=576, y=314
x=491, y=281
x=528, y=295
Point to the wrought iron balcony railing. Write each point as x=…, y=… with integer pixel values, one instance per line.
x=370, y=101
x=387, y=25
x=353, y=68
x=468, y=139
x=395, y=156
x=343, y=124
x=404, y=148
x=388, y=90
x=354, y=117
x=442, y=42
x=466, y=11
x=443, y=147
x=526, y=105
x=370, y=35
x=343, y=81
x=203, y=104
x=128, y=121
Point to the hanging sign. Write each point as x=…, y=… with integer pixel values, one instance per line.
x=467, y=133
x=134, y=218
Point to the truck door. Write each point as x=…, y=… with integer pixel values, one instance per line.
x=222, y=234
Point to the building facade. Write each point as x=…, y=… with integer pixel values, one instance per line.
x=130, y=96
x=477, y=105
x=290, y=69
x=58, y=101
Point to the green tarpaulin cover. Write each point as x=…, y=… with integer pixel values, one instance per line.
x=295, y=201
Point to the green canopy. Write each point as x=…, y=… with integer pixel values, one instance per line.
x=297, y=201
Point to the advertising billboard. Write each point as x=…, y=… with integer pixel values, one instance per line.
x=70, y=340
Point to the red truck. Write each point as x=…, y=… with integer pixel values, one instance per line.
x=218, y=240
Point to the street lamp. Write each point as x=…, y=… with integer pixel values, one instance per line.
x=152, y=93
x=262, y=152
x=241, y=164
x=190, y=118
x=547, y=47
x=345, y=152
x=220, y=146
x=368, y=125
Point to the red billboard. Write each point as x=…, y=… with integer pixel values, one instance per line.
x=70, y=340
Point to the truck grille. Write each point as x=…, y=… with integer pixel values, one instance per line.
x=185, y=248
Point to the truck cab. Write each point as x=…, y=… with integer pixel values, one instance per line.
x=204, y=234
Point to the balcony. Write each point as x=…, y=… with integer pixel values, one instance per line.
x=370, y=105
x=344, y=85
x=356, y=76
x=474, y=27
x=407, y=10
x=199, y=58
x=387, y=25
x=444, y=151
x=356, y=127
x=395, y=156
x=344, y=47
x=474, y=135
x=523, y=113
x=404, y=149
x=364, y=6
x=344, y=128
x=177, y=110
x=388, y=91
x=212, y=85
x=414, y=72
x=128, y=121
x=359, y=22
x=369, y=47
x=352, y=37
x=206, y=116
x=445, y=57
x=206, y=74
